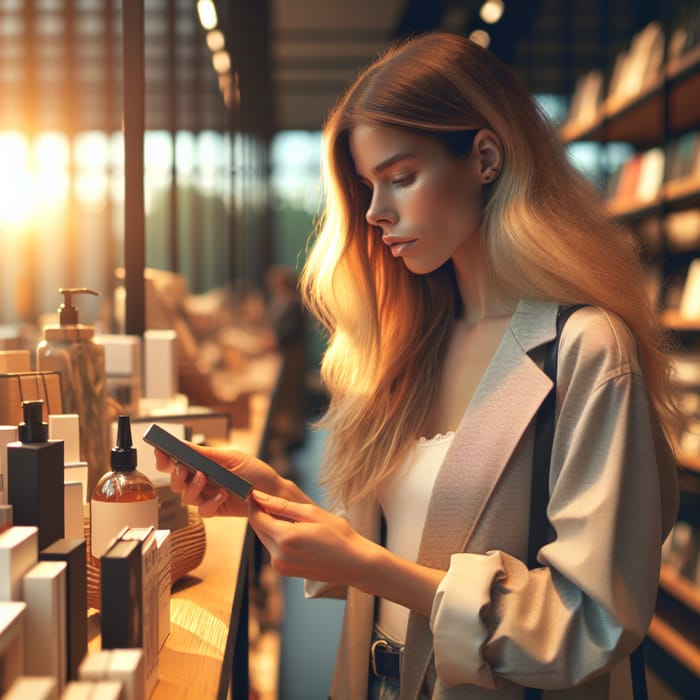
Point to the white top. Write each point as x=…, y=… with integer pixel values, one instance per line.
x=404, y=500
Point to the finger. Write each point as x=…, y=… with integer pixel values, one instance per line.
x=282, y=508
x=211, y=505
x=180, y=476
x=192, y=491
x=163, y=462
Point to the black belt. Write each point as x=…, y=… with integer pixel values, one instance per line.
x=385, y=660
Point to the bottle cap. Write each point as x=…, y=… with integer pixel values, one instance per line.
x=124, y=456
x=33, y=429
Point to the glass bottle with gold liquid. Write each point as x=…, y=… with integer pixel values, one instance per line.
x=123, y=497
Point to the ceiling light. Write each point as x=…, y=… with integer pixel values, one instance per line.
x=479, y=36
x=215, y=40
x=221, y=62
x=207, y=13
x=491, y=11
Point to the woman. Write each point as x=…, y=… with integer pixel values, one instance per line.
x=454, y=228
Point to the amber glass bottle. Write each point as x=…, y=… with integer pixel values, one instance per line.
x=123, y=497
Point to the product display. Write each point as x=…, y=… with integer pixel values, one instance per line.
x=69, y=348
x=123, y=497
x=35, y=476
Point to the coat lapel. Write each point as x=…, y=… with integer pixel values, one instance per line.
x=507, y=399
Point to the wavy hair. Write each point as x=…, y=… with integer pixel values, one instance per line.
x=545, y=232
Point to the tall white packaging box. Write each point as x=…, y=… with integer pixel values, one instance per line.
x=19, y=551
x=66, y=427
x=44, y=592
x=160, y=364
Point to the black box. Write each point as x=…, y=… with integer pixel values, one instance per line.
x=74, y=553
x=35, y=487
x=121, y=595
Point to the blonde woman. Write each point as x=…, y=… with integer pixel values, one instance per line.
x=454, y=229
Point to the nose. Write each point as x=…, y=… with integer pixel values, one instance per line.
x=380, y=212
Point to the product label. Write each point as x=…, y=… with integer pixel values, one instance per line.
x=108, y=518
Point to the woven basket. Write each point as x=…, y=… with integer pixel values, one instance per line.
x=187, y=545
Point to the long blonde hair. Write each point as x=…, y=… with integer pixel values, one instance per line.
x=546, y=234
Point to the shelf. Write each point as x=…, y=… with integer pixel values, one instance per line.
x=682, y=192
x=675, y=644
x=633, y=208
x=640, y=119
x=681, y=588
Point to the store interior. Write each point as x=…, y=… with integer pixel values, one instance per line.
x=164, y=154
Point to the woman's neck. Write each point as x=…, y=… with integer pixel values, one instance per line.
x=481, y=297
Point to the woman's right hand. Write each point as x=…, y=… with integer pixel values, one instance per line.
x=214, y=500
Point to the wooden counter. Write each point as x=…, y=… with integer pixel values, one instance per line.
x=197, y=658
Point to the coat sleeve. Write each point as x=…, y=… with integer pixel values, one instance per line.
x=613, y=498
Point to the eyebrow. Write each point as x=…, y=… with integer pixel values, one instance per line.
x=377, y=169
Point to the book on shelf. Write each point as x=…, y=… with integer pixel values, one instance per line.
x=638, y=67
x=586, y=99
x=682, y=160
x=683, y=230
x=690, y=299
x=651, y=174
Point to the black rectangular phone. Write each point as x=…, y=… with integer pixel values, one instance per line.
x=182, y=453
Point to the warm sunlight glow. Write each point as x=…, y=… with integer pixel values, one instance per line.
x=15, y=180
x=207, y=14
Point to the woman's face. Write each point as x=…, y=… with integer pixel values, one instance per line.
x=427, y=203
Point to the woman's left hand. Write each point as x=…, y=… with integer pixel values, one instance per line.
x=307, y=541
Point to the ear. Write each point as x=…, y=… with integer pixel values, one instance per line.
x=488, y=152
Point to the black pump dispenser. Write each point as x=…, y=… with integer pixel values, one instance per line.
x=33, y=429
x=124, y=457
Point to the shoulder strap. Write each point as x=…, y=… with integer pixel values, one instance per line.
x=544, y=436
x=540, y=528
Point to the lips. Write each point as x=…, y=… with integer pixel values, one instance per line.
x=398, y=246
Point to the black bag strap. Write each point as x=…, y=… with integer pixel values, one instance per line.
x=540, y=528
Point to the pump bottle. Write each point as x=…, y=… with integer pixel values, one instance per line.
x=69, y=348
x=35, y=476
x=123, y=497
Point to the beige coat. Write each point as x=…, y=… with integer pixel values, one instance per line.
x=613, y=497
